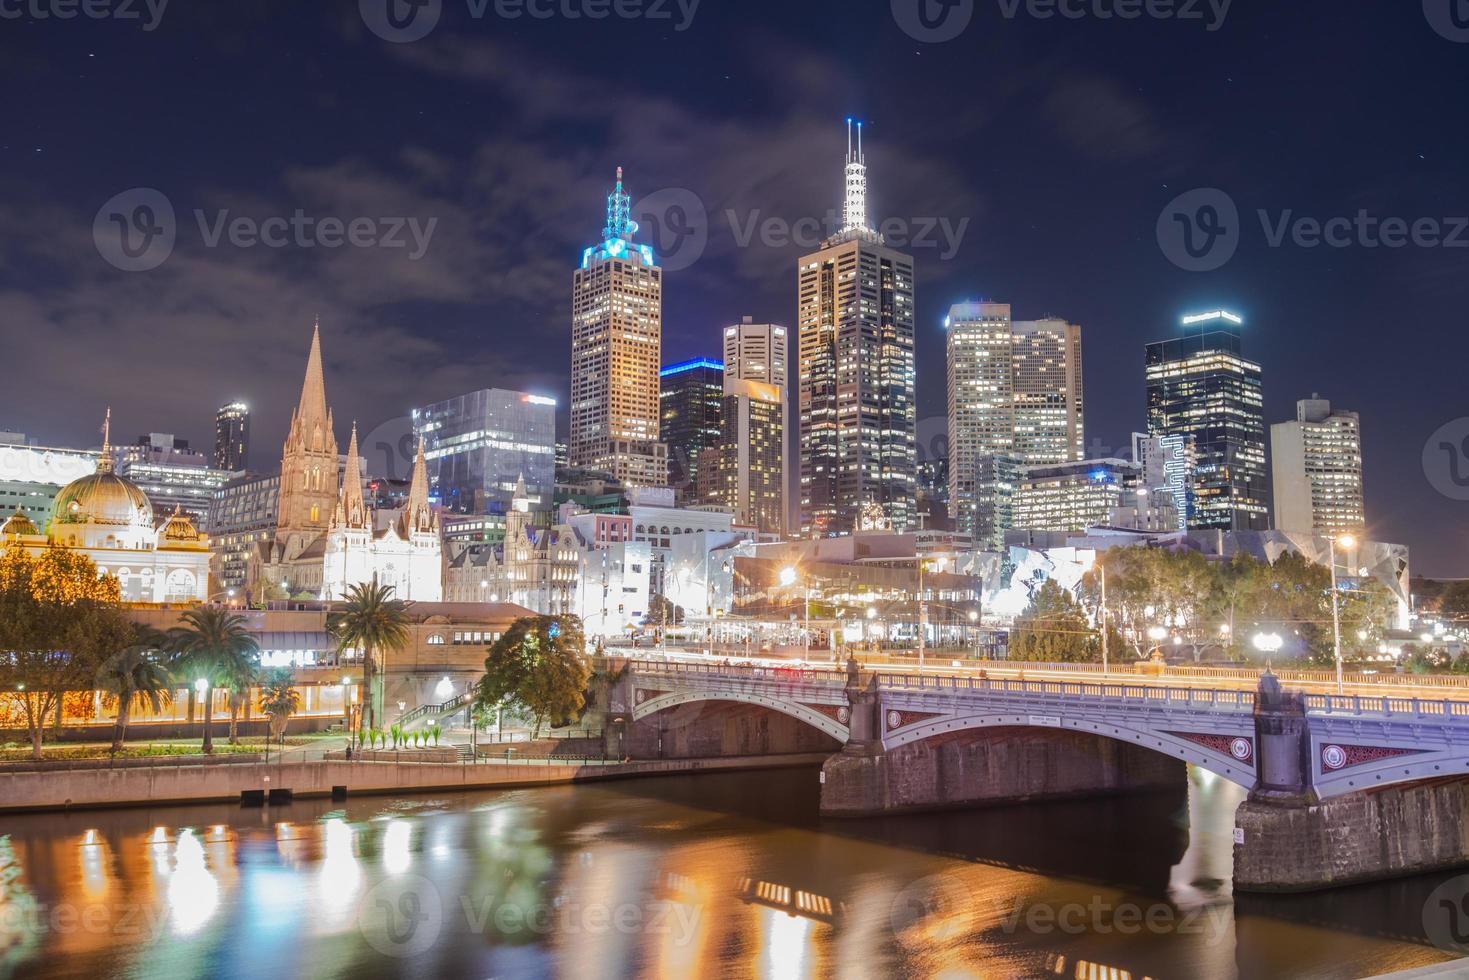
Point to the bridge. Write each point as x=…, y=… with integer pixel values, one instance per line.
x=1391, y=770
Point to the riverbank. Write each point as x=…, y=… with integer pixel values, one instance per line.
x=68, y=789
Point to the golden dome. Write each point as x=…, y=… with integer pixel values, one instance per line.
x=18, y=523
x=103, y=498
x=179, y=527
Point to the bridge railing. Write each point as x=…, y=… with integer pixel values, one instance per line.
x=1388, y=679
x=1233, y=700
x=1361, y=704
x=735, y=671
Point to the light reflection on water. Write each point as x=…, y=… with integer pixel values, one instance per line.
x=719, y=875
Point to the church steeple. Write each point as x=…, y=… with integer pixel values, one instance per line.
x=351, y=510
x=418, y=515
x=309, y=459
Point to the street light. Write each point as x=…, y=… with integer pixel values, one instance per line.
x=788, y=577
x=1267, y=642
x=974, y=618
x=1348, y=542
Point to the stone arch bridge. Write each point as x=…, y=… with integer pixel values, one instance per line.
x=1395, y=769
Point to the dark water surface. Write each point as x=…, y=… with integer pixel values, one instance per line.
x=728, y=875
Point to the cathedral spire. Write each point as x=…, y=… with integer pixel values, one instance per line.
x=312, y=407
x=351, y=511
x=417, y=514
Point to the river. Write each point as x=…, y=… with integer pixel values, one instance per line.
x=729, y=875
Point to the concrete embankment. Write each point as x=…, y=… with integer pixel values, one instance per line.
x=60, y=789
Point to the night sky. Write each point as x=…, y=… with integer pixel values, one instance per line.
x=1057, y=142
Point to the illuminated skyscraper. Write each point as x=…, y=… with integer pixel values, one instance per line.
x=232, y=437
x=856, y=372
x=691, y=400
x=616, y=350
x=1317, y=462
x=1200, y=385
x=759, y=352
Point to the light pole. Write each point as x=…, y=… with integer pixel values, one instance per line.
x=788, y=577
x=922, y=618
x=1102, y=570
x=1348, y=542
x=974, y=618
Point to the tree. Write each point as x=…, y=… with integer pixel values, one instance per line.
x=138, y=674
x=371, y=620
x=212, y=645
x=57, y=624
x=1053, y=629
x=279, y=698
x=238, y=678
x=539, y=663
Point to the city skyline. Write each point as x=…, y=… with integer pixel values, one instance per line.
x=518, y=209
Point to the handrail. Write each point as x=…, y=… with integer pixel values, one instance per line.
x=453, y=704
x=1113, y=691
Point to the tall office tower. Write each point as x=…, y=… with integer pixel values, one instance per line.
x=616, y=351
x=759, y=352
x=752, y=454
x=1046, y=361
x=690, y=401
x=1168, y=465
x=1317, y=462
x=232, y=437
x=1200, y=384
x=981, y=393
x=856, y=374
x=482, y=445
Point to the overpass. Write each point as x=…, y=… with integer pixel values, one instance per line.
x=1341, y=787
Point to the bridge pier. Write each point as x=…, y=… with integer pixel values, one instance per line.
x=1288, y=839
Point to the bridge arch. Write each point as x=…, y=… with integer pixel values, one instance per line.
x=801, y=712
x=1219, y=761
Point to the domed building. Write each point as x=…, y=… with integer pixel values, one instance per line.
x=110, y=519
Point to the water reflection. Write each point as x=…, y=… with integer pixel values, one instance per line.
x=714, y=875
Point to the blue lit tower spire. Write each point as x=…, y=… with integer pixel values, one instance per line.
x=617, y=237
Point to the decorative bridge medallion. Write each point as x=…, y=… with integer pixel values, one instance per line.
x=841, y=714
x=1335, y=757
x=902, y=719
x=648, y=695
x=1238, y=747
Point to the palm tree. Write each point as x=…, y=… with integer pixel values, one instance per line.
x=370, y=620
x=136, y=675
x=279, y=698
x=238, y=679
x=213, y=646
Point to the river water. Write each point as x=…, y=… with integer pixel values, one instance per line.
x=729, y=875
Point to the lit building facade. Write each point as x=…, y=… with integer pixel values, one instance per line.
x=1200, y=384
x=232, y=437
x=172, y=475
x=535, y=567
x=751, y=459
x=1073, y=496
x=110, y=520
x=480, y=446
x=690, y=401
x=856, y=372
x=616, y=353
x=761, y=352
x=31, y=476
x=1317, y=464
x=242, y=517
x=1048, y=391
x=1167, y=464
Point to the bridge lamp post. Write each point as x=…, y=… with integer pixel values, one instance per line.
x=1347, y=542
x=974, y=618
x=788, y=577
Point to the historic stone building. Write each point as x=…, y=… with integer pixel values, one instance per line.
x=326, y=538
x=535, y=567
x=110, y=519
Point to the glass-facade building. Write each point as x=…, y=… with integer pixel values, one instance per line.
x=232, y=437
x=690, y=405
x=1200, y=384
x=480, y=444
